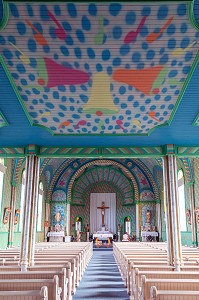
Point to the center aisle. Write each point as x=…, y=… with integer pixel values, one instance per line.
x=101, y=279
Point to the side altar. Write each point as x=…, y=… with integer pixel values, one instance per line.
x=148, y=232
x=56, y=234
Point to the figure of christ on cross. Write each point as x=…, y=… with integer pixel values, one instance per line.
x=103, y=207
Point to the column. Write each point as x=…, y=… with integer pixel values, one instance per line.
x=193, y=217
x=158, y=220
x=137, y=222
x=33, y=217
x=68, y=219
x=172, y=213
x=12, y=215
x=29, y=218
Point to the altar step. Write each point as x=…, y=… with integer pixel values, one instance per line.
x=101, y=279
x=102, y=249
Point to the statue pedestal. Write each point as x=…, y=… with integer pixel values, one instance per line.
x=87, y=236
x=119, y=239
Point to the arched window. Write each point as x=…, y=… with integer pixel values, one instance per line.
x=2, y=172
x=181, y=199
x=23, y=179
x=39, y=207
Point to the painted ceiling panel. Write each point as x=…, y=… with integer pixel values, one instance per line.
x=103, y=68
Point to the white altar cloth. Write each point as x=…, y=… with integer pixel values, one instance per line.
x=56, y=236
x=55, y=233
x=103, y=236
x=145, y=234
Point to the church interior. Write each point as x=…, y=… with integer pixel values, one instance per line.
x=99, y=150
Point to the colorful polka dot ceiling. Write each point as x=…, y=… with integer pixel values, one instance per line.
x=99, y=68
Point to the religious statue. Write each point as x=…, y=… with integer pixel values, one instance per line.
x=78, y=224
x=103, y=207
x=6, y=216
x=16, y=217
x=87, y=228
x=58, y=216
x=188, y=215
x=148, y=216
x=119, y=227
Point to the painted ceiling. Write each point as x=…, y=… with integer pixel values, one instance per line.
x=94, y=69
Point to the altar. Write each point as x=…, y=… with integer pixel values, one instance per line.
x=149, y=234
x=103, y=235
x=56, y=236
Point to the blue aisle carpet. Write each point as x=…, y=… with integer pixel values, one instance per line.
x=101, y=279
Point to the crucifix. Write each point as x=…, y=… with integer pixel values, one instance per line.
x=103, y=207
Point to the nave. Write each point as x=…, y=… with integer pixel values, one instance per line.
x=78, y=271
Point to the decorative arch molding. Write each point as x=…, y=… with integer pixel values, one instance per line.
x=56, y=176
x=186, y=166
x=187, y=170
x=17, y=164
x=43, y=165
x=150, y=177
x=96, y=177
x=82, y=163
x=103, y=162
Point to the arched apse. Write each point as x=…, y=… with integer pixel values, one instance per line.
x=102, y=163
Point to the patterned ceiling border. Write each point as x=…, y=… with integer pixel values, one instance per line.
x=100, y=152
x=114, y=163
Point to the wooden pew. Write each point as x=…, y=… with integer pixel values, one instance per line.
x=166, y=284
x=54, y=291
x=63, y=281
x=156, y=294
x=160, y=275
x=24, y=295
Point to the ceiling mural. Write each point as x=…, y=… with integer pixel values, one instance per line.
x=99, y=68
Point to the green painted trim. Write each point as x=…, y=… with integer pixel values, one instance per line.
x=101, y=152
x=5, y=122
x=98, y=1
x=147, y=202
x=5, y=18
x=188, y=151
x=192, y=19
x=12, y=152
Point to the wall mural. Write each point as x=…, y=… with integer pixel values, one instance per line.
x=146, y=195
x=58, y=214
x=99, y=68
x=59, y=195
x=141, y=178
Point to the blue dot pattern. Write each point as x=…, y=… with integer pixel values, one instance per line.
x=94, y=42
